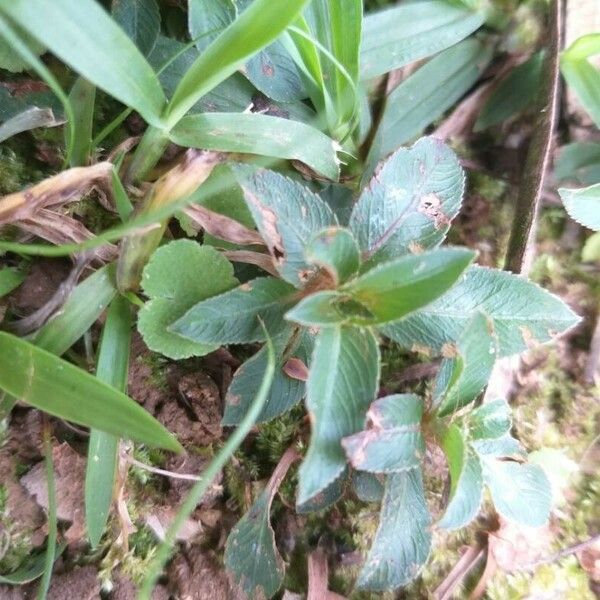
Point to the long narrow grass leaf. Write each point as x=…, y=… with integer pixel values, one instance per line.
x=83, y=99
x=112, y=368
x=402, y=34
x=86, y=303
x=259, y=25
x=52, y=522
x=83, y=35
x=61, y=389
x=260, y=134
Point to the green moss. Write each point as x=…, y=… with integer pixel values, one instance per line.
x=565, y=580
x=15, y=171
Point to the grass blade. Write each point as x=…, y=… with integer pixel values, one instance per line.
x=85, y=304
x=83, y=98
x=83, y=35
x=260, y=134
x=259, y=25
x=52, y=523
x=33, y=568
x=61, y=389
x=397, y=36
x=424, y=96
x=7, y=31
x=164, y=551
x=112, y=368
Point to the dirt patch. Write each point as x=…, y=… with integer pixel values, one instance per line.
x=196, y=575
x=124, y=589
x=194, y=416
x=43, y=279
x=69, y=473
x=191, y=464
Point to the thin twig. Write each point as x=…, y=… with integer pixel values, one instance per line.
x=560, y=554
x=461, y=569
x=539, y=154
x=171, y=474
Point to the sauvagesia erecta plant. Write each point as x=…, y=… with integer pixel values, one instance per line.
x=337, y=288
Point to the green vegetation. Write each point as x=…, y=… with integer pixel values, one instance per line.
x=282, y=187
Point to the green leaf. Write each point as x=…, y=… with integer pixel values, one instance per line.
x=251, y=555
x=232, y=95
x=522, y=313
x=14, y=105
x=335, y=250
x=466, y=491
x=59, y=388
x=591, y=248
x=85, y=304
x=84, y=36
x=112, y=368
x=579, y=161
x=367, y=486
x=521, y=492
x=285, y=391
x=342, y=383
x=409, y=204
x=424, y=96
x=394, y=289
x=403, y=538
x=583, y=205
x=335, y=25
x=253, y=30
x=393, y=441
x=328, y=308
x=461, y=378
x=287, y=215
x=490, y=421
x=514, y=93
x=264, y=135
x=11, y=60
x=236, y=317
x=326, y=497
x=274, y=73
x=10, y=279
x=33, y=568
x=581, y=75
x=208, y=18
x=83, y=98
x=503, y=447
x=140, y=19
x=177, y=277
x=397, y=36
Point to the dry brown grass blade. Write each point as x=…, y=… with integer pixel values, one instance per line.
x=264, y=261
x=222, y=227
x=60, y=229
x=68, y=186
x=194, y=168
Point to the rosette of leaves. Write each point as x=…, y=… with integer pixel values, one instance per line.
x=333, y=292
